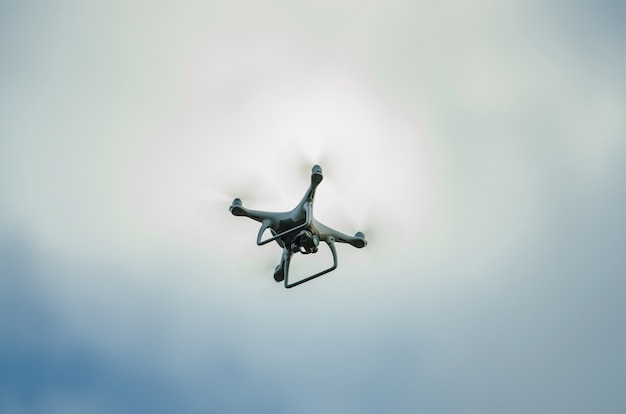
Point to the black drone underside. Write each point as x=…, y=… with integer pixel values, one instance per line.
x=297, y=231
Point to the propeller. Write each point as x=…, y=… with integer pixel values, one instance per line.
x=222, y=185
x=248, y=184
x=382, y=224
x=338, y=158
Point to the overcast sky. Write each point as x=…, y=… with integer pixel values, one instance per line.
x=480, y=146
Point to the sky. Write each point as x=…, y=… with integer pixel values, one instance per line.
x=479, y=145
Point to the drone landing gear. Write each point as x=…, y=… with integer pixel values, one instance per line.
x=281, y=273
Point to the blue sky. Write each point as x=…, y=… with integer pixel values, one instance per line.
x=480, y=146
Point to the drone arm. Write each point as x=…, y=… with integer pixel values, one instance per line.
x=267, y=220
x=238, y=210
x=326, y=232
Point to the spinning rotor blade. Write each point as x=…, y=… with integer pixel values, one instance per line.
x=222, y=186
x=383, y=226
x=228, y=234
x=337, y=157
x=232, y=182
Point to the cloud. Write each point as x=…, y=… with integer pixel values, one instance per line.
x=485, y=137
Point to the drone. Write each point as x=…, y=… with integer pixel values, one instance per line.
x=297, y=231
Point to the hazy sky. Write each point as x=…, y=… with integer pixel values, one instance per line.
x=480, y=145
